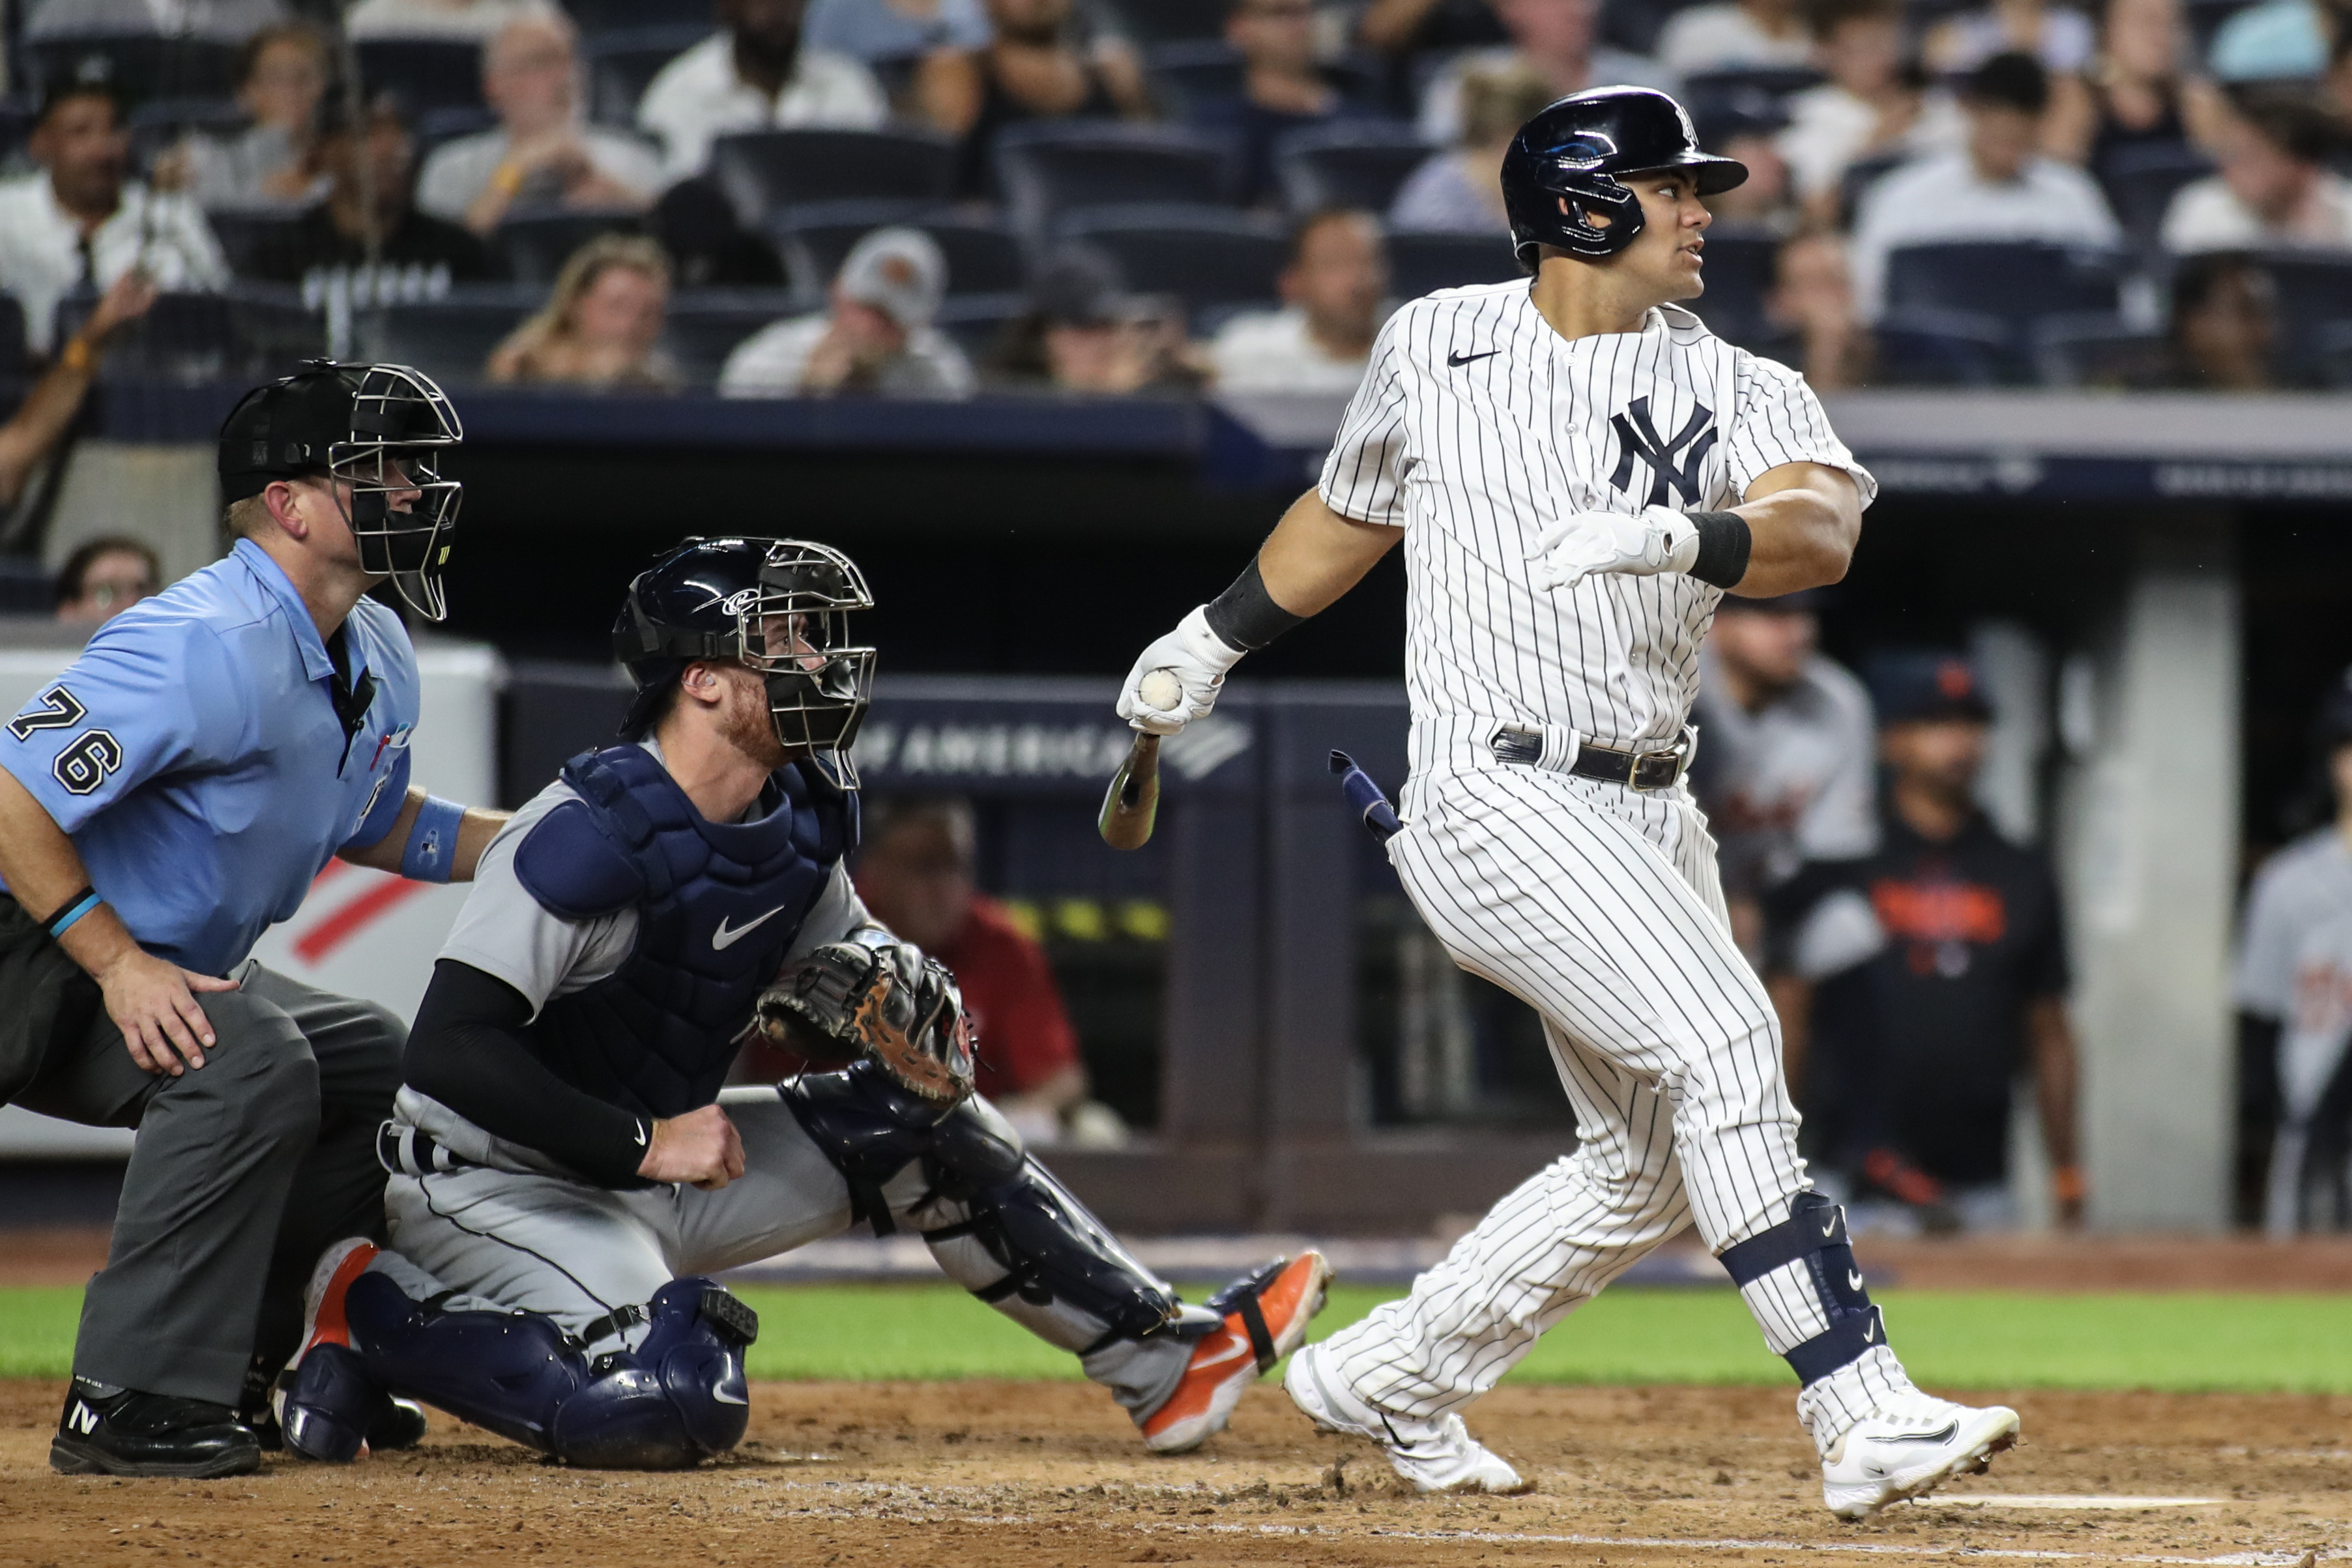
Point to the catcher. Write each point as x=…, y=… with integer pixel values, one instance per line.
x=567, y=1175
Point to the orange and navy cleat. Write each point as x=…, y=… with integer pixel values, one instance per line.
x=1264, y=1315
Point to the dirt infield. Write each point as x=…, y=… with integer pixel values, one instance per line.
x=1048, y=1476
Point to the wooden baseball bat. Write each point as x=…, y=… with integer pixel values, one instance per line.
x=1132, y=802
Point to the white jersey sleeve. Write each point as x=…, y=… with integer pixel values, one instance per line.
x=1777, y=421
x=1364, y=477
x=505, y=933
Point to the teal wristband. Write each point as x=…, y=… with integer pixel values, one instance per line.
x=76, y=907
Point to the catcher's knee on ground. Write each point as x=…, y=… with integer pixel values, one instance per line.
x=677, y=1398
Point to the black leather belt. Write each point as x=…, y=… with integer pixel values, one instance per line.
x=1634, y=770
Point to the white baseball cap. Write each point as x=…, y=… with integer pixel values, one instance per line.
x=899, y=272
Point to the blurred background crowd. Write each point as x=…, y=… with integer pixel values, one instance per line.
x=929, y=197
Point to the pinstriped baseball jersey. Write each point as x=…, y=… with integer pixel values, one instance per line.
x=1477, y=425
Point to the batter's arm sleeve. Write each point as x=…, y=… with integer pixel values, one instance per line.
x=1364, y=477
x=466, y=1051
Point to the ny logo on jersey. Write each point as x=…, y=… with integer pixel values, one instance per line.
x=1637, y=438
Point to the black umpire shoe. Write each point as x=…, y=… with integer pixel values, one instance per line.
x=126, y=1433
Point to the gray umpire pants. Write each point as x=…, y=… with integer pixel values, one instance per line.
x=243, y=1169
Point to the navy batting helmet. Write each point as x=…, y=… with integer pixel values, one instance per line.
x=1561, y=169
x=780, y=606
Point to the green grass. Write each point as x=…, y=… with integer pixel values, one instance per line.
x=2185, y=1342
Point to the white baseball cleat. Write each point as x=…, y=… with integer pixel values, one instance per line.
x=1909, y=1448
x=1437, y=1456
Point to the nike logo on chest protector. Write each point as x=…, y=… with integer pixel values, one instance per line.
x=723, y=938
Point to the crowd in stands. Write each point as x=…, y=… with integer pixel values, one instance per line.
x=928, y=198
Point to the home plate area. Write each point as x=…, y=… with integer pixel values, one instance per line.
x=1026, y=1475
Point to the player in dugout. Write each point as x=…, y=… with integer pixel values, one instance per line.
x=162, y=802
x=567, y=1173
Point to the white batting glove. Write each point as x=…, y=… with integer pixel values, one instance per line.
x=1659, y=539
x=1197, y=657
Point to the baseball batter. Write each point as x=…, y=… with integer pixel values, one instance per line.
x=566, y=1176
x=1577, y=469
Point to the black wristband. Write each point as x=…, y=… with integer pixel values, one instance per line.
x=1245, y=615
x=1724, y=540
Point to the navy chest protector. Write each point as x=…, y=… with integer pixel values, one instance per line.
x=717, y=902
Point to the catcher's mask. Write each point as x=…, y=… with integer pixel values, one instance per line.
x=780, y=606
x=379, y=430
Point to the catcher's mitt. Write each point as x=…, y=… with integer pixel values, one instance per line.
x=873, y=995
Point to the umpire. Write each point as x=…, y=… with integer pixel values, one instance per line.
x=163, y=803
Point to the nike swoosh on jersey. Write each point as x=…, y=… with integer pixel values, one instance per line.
x=1458, y=361
x=722, y=939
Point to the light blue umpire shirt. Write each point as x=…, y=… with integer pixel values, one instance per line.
x=195, y=755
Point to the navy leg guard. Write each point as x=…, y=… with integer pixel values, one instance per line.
x=331, y=1403
x=676, y=1399
x=1815, y=1233
x=870, y=1126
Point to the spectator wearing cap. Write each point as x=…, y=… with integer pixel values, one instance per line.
x=1282, y=92
x=2273, y=190
x=1039, y=65
x=215, y=21
x=602, y=325
x=2224, y=329
x=1969, y=988
x=78, y=222
x=543, y=155
x=281, y=74
x=1872, y=105
x=1734, y=35
x=2001, y=188
x=103, y=577
x=754, y=74
x=1081, y=335
x=1558, y=41
x=1322, y=339
x=1785, y=775
x=30, y=436
x=334, y=236
x=877, y=337
x=1460, y=190
x=464, y=21
x=2294, y=994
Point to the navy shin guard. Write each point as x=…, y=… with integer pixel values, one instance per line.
x=1815, y=1234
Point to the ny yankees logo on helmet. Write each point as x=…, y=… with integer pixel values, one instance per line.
x=1638, y=437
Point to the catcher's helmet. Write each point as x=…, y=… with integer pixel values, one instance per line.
x=380, y=428
x=1562, y=168
x=779, y=605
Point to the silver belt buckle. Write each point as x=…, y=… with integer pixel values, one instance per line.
x=1655, y=770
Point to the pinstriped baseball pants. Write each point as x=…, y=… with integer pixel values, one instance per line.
x=1600, y=908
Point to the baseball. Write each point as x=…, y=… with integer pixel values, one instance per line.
x=1160, y=691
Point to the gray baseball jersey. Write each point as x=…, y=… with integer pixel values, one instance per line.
x=2302, y=886
x=1790, y=782
x=1476, y=425
x=2294, y=967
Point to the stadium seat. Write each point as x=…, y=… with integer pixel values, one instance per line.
x=1703, y=91
x=1358, y=164
x=25, y=586
x=1923, y=346
x=705, y=325
x=1049, y=169
x=139, y=67
x=2314, y=290
x=448, y=339
x=763, y=172
x=2100, y=350
x=975, y=323
x=1853, y=185
x=1738, y=272
x=2015, y=283
x=184, y=338
x=425, y=73
x=597, y=18
x=1190, y=72
x=1633, y=26
x=621, y=65
x=535, y=244
x=1420, y=263
x=982, y=257
x=1205, y=255
x=2141, y=182
x=253, y=238
x=2333, y=348
x=162, y=123
x=1149, y=22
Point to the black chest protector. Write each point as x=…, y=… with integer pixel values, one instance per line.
x=717, y=904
